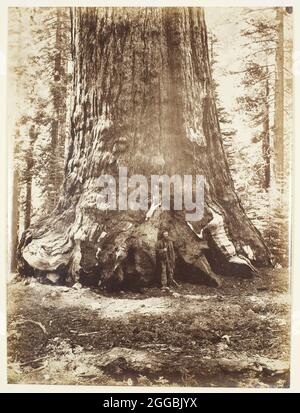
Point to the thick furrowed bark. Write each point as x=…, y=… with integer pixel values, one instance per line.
x=142, y=99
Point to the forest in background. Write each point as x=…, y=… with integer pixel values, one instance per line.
x=40, y=73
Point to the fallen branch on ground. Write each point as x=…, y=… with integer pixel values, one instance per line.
x=42, y=327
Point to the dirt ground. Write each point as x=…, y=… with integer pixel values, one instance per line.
x=237, y=335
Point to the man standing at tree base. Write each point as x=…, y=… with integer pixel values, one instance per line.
x=165, y=256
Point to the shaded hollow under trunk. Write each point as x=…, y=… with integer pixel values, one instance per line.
x=143, y=99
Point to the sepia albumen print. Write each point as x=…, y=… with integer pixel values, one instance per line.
x=150, y=183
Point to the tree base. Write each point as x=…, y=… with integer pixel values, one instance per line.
x=118, y=254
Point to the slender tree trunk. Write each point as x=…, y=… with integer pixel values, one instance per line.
x=279, y=99
x=143, y=99
x=16, y=196
x=28, y=197
x=28, y=177
x=15, y=220
x=54, y=167
x=266, y=137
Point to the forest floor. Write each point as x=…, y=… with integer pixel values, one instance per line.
x=234, y=336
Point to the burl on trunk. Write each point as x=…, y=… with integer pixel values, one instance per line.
x=143, y=99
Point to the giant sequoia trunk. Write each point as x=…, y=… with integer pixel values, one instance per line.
x=143, y=99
